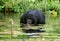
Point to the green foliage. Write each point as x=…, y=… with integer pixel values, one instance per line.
x=24, y=5
x=1, y=4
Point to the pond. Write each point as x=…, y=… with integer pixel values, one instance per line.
x=52, y=28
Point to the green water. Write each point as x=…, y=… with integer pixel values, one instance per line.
x=52, y=28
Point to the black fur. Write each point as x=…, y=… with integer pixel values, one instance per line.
x=36, y=17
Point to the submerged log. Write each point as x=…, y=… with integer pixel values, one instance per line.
x=33, y=30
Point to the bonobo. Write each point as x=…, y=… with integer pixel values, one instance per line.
x=33, y=16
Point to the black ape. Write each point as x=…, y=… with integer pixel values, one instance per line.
x=34, y=17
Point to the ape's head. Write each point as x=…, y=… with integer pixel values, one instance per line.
x=29, y=19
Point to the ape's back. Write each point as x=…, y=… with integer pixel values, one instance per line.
x=36, y=17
